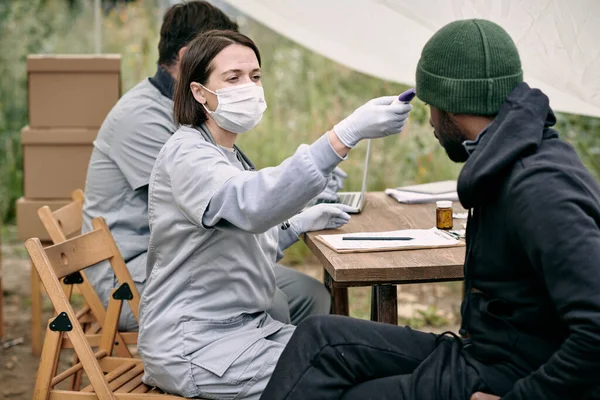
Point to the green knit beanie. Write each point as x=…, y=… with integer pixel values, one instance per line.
x=468, y=67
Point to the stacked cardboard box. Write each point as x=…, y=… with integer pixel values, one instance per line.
x=69, y=97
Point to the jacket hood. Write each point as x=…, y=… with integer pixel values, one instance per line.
x=518, y=129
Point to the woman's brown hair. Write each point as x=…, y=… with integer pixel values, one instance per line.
x=196, y=66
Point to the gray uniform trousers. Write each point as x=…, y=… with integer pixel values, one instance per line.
x=297, y=297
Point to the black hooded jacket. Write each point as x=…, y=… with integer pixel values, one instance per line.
x=532, y=270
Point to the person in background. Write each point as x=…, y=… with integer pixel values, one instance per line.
x=531, y=311
x=125, y=151
x=218, y=225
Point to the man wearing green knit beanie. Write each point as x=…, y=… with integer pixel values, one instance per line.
x=531, y=312
x=532, y=275
x=467, y=70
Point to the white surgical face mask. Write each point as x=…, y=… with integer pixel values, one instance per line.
x=240, y=107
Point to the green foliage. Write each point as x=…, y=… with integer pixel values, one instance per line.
x=428, y=317
x=23, y=29
x=584, y=134
x=59, y=26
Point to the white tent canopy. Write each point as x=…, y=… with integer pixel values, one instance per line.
x=558, y=39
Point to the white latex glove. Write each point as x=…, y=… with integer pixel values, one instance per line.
x=329, y=194
x=335, y=184
x=376, y=118
x=321, y=216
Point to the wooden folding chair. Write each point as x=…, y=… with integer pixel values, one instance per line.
x=110, y=377
x=61, y=224
x=65, y=222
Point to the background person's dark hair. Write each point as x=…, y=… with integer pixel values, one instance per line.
x=183, y=22
x=196, y=66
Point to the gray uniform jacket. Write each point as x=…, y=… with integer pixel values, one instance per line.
x=214, y=233
x=116, y=188
x=118, y=176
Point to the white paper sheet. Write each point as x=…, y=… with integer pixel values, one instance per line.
x=422, y=238
x=440, y=187
x=419, y=198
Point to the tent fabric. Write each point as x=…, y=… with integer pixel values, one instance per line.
x=557, y=39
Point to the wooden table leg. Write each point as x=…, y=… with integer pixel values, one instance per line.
x=374, y=311
x=339, y=296
x=36, y=313
x=385, y=306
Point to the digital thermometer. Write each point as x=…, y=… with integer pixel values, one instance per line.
x=406, y=97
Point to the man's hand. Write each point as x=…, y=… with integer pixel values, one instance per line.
x=483, y=396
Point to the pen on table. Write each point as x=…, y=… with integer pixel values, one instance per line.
x=376, y=238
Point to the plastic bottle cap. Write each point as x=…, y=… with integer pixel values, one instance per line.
x=443, y=204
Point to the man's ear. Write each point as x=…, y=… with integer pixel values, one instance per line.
x=198, y=92
x=181, y=52
x=174, y=70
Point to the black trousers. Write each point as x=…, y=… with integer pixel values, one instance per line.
x=332, y=357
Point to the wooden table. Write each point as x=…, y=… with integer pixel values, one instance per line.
x=384, y=270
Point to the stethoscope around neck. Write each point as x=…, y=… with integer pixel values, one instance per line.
x=246, y=163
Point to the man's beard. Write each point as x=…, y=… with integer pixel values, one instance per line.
x=451, y=138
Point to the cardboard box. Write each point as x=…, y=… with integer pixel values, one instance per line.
x=55, y=161
x=72, y=91
x=28, y=223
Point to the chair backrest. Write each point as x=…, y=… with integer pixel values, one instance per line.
x=65, y=259
x=65, y=222
x=62, y=224
x=83, y=251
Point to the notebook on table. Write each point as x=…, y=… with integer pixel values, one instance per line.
x=409, y=239
x=425, y=193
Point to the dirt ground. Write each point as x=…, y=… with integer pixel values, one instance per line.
x=431, y=307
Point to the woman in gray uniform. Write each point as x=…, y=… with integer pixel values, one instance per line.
x=218, y=225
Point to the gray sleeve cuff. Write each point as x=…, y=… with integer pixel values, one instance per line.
x=324, y=156
x=287, y=238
